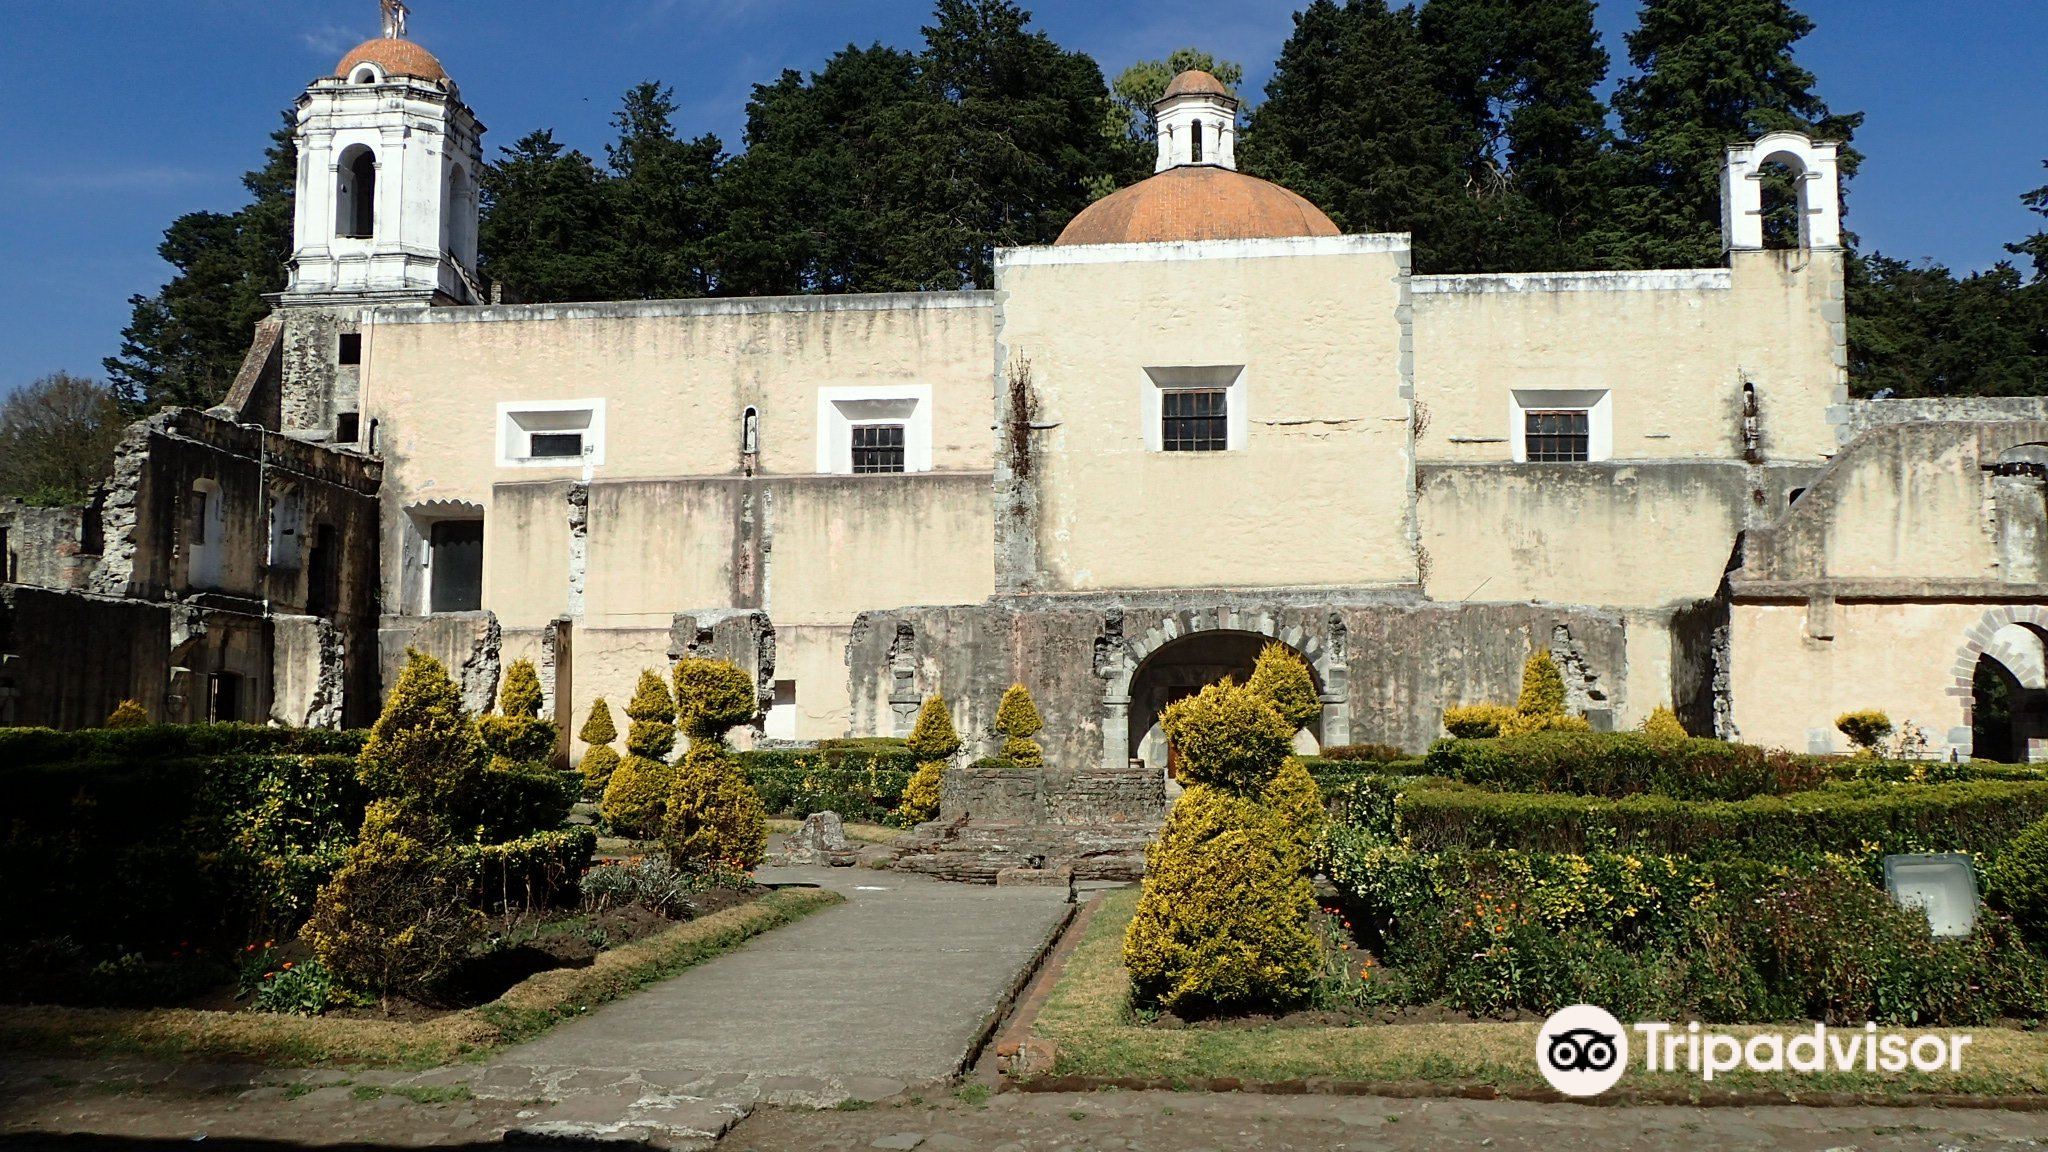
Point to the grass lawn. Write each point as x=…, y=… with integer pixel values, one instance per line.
x=525, y=1010
x=1087, y=1019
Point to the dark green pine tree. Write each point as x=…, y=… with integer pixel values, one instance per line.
x=2035, y=247
x=1918, y=330
x=184, y=344
x=665, y=196
x=548, y=227
x=1354, y=120
x=1020, y=130
x=1523, y=77
x=1711, y=73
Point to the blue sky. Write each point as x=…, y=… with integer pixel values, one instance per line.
x=121, y=114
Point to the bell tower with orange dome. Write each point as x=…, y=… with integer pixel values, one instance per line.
x=387, y=188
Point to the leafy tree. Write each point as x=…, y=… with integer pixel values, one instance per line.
x=548, y=222
x=2035, y=247
x=1919, y=330
x=1140, y=86
x=184, y=344
x=1711, y=73
x=57, y=438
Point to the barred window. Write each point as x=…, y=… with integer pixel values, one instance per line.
x=1193, y=420
x=1558, y=436
x=877, y=448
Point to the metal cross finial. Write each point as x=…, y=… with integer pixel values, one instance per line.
x=394, y=18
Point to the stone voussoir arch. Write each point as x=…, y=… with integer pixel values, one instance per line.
x=1979, y=640
x=1324, y=659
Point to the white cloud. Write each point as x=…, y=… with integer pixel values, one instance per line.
x=330, y=39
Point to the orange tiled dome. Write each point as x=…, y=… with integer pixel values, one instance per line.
x=1195, y=82
x=395, y=57
x=1196, y=202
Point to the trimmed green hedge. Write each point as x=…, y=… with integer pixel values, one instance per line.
x=1854, y=817
x=21, y=747
x=542, y=870
x=859, y=779
x=1616, y=764
x=1334, y=776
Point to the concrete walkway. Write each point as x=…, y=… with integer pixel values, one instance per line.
x=887, y=991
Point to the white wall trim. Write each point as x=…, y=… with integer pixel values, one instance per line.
x=511, y=436
x=1664, y=280
x=837, y=415
x=1166, y=252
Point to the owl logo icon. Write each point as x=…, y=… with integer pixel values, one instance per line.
x=1582, y=1050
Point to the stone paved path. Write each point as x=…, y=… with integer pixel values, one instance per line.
x=887, y=991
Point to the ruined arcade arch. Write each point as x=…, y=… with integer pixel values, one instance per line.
x=2003, y=663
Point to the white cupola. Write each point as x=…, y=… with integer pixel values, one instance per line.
x=1197, y=121
x=387, y=192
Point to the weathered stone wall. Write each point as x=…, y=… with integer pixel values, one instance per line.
x=48, y=547
x=469, y=644
x=1859, y=416
x=67, y=658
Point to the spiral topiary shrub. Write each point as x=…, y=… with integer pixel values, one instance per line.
x=713, y=814
x=1228, y=736
x=637, y=793
x=934, y=741
x=1017, y=721
x=599, y=760
x=1283, y=679
x=1225, y=923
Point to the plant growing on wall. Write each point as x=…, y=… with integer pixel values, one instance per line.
x=1017, y=720
x=1225, y=924
x=637, y=793
x=713, y=814
x=1866, y=729
x=933, y=741
x=599, y=760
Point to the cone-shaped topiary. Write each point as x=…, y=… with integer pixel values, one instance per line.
x=1228, y=736
x=520, y=695
x=423, y=751
x=933, y=741
x=599, y=760
x=1662, y=725
x=652, y=733
x=1225, y=922
x=713, y=814
x=1017, y=721
x=713, y=697
x=1542, y=687
x=128, y=714
x=1282, y=678
x=395, y=917
x=636, y=796
x=1297, y=803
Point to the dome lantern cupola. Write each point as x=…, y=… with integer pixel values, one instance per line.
x=1197, y=121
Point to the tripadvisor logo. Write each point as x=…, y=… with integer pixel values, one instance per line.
x=1583, y=1050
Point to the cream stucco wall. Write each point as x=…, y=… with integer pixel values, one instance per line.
x=1672, y=348
x=1320, y=493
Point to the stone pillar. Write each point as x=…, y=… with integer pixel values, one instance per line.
x=1116, y=734
x=2022, y=524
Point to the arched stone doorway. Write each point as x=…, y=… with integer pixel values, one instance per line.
x=1188, y=651
x=2002, y=671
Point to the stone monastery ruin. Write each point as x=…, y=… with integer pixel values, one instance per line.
x=1201, y=420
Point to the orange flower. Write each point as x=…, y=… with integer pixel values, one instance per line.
x=287, y=965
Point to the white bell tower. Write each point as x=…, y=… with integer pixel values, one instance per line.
x=1197, y=123
x=1817, y=179
x=387, y=188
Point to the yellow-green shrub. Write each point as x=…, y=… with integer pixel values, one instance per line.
x=637, y=796
x=520, y=695
x=1477, y=721
x=1529, y=723
x=1865, y=729
x=1224, y=924
x=423, y=751
x=394, y=918
x=1017, y=721
x=1662, y=725
x=1284, y=681
x=713, y=697
x=516, y=734
x=651, y=734
x=1228, y=736
x=128, y=714
x=1542, y=686
x=933, y=741
x=714, y=815
x=1297, y=804
x=599, y=761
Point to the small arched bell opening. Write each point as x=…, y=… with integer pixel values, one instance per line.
x=355, y=194
x=1782, y=177
x=2009, y=697
x=456, y=238
x=1183, y=668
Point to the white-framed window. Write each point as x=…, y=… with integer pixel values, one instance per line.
x=1195, y=408
x=878, y=429
x=1560, y=425
x=551, y=434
